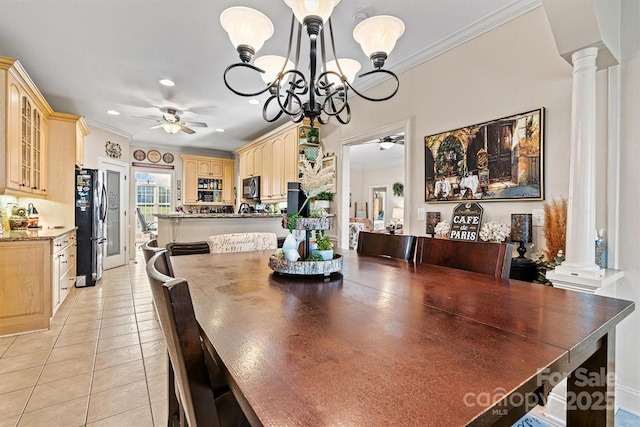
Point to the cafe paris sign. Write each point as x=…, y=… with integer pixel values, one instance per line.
x=465, y=222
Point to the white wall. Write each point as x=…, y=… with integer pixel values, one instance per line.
x=363, y=180
x=628, y=344
x=511, y=69
x=515, y=68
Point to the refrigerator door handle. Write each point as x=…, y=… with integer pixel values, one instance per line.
x=103, y=205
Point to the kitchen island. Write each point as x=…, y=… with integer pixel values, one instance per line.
x=186, y=227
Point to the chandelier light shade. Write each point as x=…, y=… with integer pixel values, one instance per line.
x=348, y=67
x=272, y=64
x=291, y=90
x=378, y=36
x=248, y=29
x=171, y=128
x=320, y=8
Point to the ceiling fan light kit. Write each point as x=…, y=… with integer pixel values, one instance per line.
x=171, y=122
x=290, y=91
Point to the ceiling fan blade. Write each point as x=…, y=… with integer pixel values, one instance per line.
x=155, y=127
x=195, y=124
x=185, y=129
x=146, y=118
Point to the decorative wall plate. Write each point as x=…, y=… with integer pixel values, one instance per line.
x=167, y=157
x=139, y=155
x=153, y=156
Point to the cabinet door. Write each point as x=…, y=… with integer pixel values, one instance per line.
x=277, y=170
x=79, y=147
x=190, y=180
x=39, y=154
x=266, y=175
x=227, y=182
x=289, y=160
x=210, y=168
x=25, y=286
x=257, y=161
x=242, y=165
x=14, y=138
x=250, y=162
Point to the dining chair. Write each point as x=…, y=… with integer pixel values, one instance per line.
x=481, y=257
x=400, y=246
x=201, y=401
x=188, y=248
x=242, y=242
x=150, y=248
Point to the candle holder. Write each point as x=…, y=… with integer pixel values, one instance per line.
x=433, y=218
x=521, y=232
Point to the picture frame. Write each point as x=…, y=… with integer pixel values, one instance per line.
x=497, y=160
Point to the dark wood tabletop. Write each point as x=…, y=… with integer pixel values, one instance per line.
x=387, y=342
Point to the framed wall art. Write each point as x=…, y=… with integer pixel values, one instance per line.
x=497, y=160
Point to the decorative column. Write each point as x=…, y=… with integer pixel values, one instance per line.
x=581, y=211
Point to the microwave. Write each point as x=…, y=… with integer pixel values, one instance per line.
x=251, y=188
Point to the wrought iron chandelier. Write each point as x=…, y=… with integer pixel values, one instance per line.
x=290, y=91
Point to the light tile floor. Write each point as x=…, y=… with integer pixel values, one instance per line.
x=103, y=363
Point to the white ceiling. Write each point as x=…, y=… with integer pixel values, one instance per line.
x=89, y=56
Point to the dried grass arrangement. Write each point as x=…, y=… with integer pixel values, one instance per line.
x=555, y=227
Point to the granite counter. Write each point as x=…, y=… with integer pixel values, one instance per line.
x=34, y=234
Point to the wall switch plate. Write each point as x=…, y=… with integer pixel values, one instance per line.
x=422, y=214
x=538, y=217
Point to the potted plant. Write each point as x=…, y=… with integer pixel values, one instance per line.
x=324, y=199
x=324, y=246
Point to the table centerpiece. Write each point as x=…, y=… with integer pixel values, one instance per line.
x=313, y=258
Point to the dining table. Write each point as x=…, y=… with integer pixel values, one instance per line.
x=389, y=342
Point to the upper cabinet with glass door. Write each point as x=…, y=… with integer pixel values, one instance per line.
x=25, y=132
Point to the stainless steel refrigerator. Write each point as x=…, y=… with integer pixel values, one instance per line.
x=91, y=211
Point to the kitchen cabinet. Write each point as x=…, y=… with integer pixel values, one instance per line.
x=37, y=272
x=25, y=285
x=277, y=152
x=228, y=177
x=210, y=168
x=207, y=180
x=63, y=271
x=24, y=139
x=66, y=134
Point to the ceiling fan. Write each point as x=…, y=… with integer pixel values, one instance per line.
x=387, y=142
x=171, y=122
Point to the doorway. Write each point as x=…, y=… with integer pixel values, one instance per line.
x=379, y=207
x=153, y=194
x=358, y=177
x=115, y=250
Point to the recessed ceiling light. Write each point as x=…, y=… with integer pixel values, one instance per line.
x=113, y=112
x=167, y=82
x=254, y=101
x=219, y=130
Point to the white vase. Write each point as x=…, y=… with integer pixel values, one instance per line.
x=290, y=243
x=324, y=204
x=326, y=254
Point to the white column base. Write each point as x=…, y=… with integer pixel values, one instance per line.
x=565, y=279
x=594, y=272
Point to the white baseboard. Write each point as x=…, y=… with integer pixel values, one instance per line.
x=628, y=399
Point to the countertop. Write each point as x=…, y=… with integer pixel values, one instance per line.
x=35, y=234
x=215, y=215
